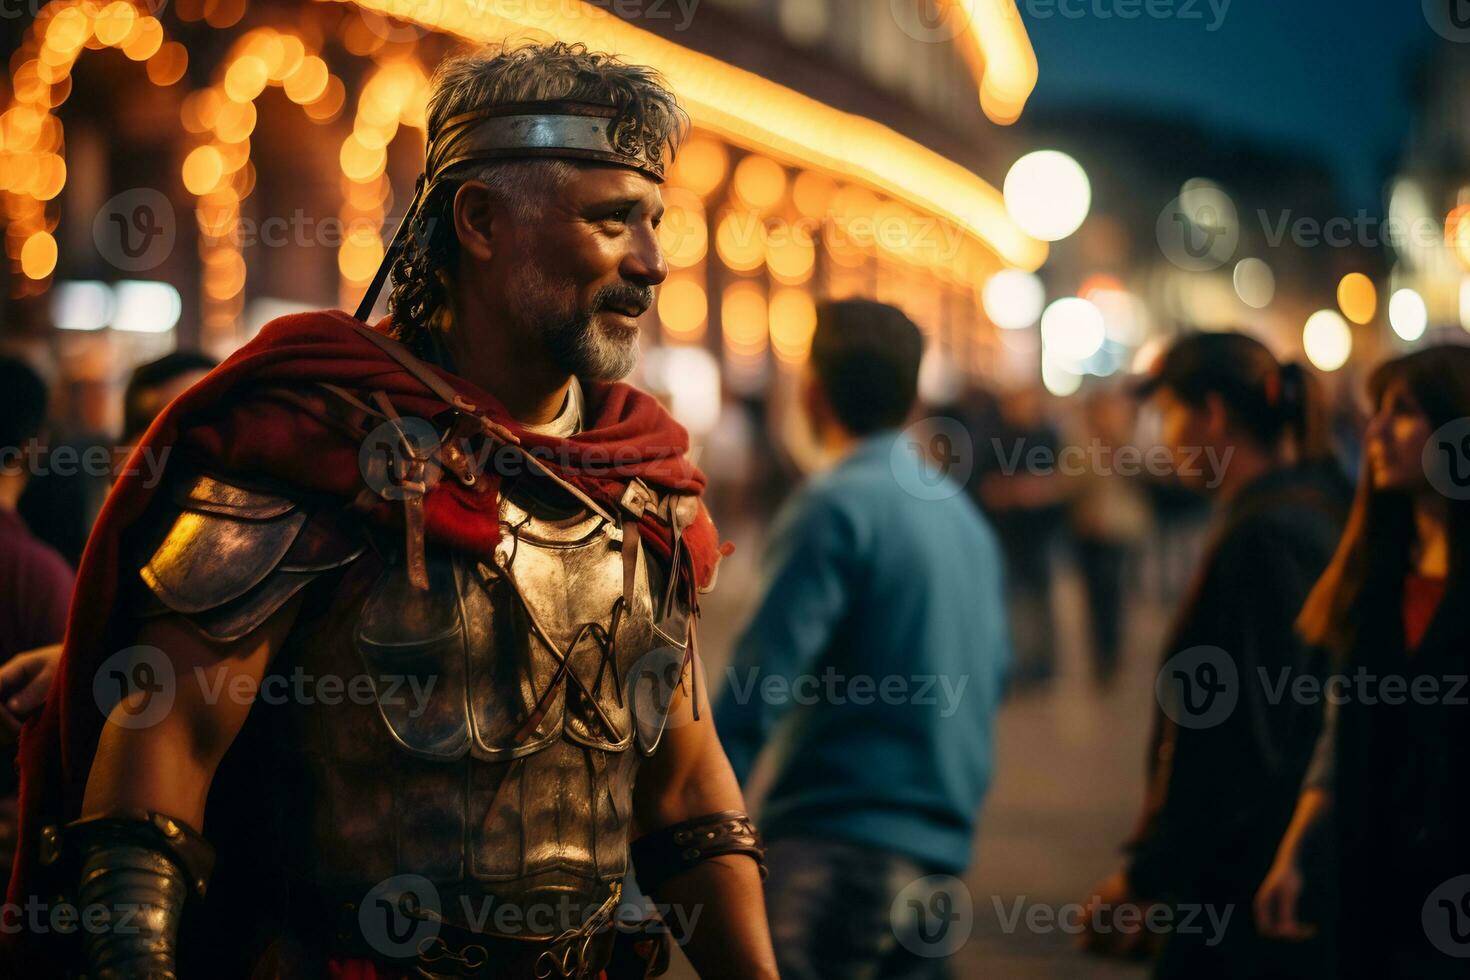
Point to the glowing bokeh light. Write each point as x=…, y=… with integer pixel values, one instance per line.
x=1255, y=283
x=1013, y=299
x=1357, y=297
x=1048, y=194
x=793, y=322
x=701, y=165
x=1327, y=340
x=1073, y=328
x=744, y=318
x=1408, y=314
x=1059, y=380
x=683, y=307
x=760, y=182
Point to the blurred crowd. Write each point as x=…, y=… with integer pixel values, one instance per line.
x=1302, y=547
x=52, y=486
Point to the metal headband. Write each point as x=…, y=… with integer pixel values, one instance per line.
x=574, y=130
x=563, y=130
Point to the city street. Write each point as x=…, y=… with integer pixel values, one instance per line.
x=1069, y=779
x=388, y=361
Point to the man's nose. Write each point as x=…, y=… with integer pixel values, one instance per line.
x=644, y=263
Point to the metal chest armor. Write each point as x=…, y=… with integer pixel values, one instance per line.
x=487, y=731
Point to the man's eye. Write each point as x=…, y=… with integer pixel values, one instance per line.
x=620, y=215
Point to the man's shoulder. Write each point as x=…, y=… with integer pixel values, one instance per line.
x=306, y=326
x=890, y=476
x=227, y=553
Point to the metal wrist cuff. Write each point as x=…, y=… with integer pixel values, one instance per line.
x=137, y=869
x=661, y=855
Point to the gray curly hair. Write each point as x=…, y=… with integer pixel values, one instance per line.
x=647, y=114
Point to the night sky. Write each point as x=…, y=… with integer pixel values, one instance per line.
x=1329, y=76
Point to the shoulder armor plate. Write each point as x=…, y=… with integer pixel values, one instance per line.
x=211, y=496
x=231, y=555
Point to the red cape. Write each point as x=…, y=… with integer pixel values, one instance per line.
x=224, y=425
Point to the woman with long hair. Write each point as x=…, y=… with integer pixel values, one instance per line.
x=1226, y=759
x=1390, y=781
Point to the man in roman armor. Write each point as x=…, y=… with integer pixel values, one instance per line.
x=393, y=673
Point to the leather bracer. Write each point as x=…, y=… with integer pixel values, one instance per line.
x=661, y=855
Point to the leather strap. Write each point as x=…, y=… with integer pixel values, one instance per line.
x=444, y=391
x=405, y=226
x=413, y=481
x=661, y=855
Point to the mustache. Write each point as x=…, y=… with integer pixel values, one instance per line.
x=624, y=296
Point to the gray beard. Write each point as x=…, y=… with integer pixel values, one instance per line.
x=575, y=341
x=583, y=348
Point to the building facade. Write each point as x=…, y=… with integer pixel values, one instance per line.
x=176, y=175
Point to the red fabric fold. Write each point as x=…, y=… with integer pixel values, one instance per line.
x=228, y=424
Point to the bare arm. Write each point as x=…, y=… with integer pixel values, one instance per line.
x=152, y=774
x=1277, y=900
x=689, y=777
x=167, y=767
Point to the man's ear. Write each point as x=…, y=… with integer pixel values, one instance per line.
x=477, y=220
x=814, y=401
x=1217, y=418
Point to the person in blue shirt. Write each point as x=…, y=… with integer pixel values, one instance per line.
x=881, y=646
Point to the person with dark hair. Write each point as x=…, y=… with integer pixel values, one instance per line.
x=884, y=620
x=35, y=581
x=1109, y=517
x=411, y=615
x=1226, y=757
x=61, y=505
x=1028, y=510
x=153, y=385
x=1389, y=786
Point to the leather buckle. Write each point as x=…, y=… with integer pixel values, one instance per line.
x=638, y=499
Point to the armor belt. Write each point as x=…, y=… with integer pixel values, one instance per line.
x=449, y=950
